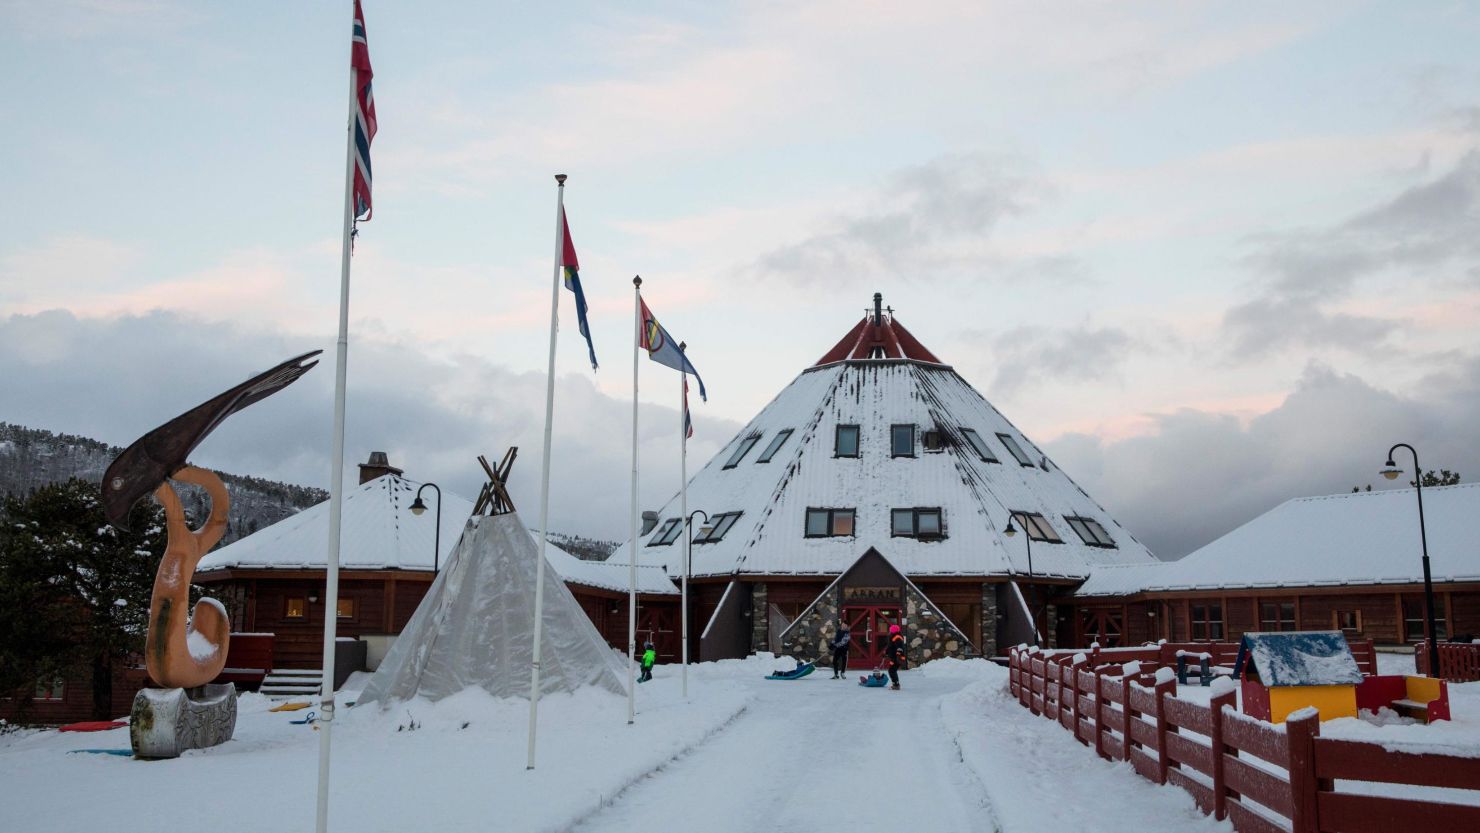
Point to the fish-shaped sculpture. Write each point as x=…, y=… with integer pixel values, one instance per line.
x=160, y=453
x=181, y=652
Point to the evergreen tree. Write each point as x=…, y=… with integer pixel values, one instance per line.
x=74, y=591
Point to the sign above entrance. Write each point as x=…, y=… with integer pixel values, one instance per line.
x=870, y=595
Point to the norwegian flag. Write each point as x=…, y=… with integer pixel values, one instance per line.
x=364, y=115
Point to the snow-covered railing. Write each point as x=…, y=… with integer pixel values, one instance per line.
x=1261, y=777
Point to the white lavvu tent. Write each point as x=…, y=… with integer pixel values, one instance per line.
x=475, y=627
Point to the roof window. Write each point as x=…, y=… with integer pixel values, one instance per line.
x=722, y=523
x=829, y=523
x=1037, y=527
x=902, y=441
x=1091, y=531
x=775, y=446
x=1014, y=449
x=846, y=442
x=979, y=445
x=932, y=441
x=667, y=533
x=743, y=449
x=917, y=523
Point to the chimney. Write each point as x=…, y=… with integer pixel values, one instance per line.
x=378, y=466
x=878, y=308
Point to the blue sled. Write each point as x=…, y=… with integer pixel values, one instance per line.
x=795, y=674
x=873, y=681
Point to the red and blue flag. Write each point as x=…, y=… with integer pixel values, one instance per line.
x=572, y=269
x=364, y=126
x=663, y=349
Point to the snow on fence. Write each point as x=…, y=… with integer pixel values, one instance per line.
x=1261, y=777
x=1459, y=662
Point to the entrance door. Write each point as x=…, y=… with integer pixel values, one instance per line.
x=869, y=626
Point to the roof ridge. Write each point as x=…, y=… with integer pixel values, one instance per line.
x=1377, y=492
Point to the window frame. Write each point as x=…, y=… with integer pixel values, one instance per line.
x=776, y=443
x=1031, y=523
x=979, y=445
x=1016, y=450
x=914, y=513
x=746, y=444
x=666, y=533
x=1356, y=614
x=1200, y=619
x=894, y=445
x=830, y=521
x=1090, y=535
x=288, y=608
x=339, y=604
x=1440, y=624
x=721, y=524
x=1278, y=620
x=932, y=441
x=55, y=692
x=857, y=440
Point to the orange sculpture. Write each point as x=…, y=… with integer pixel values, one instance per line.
x=181, y=652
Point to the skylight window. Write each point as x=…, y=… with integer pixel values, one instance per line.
x=743, y=449
x=902, y=441
x=828, y=523
x=775, y=446
x=917, y=523
x=979, y=445
x=666, y=534
x=1014, y=449
x=1037, y=527
x=1091, y=531
x=846, y=444
x=722, y=523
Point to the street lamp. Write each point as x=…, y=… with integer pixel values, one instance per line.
x=688, y=563
x=1010, y=531
x=417, y=507
x=1391, y=471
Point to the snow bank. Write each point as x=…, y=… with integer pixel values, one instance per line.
x=1039, y=778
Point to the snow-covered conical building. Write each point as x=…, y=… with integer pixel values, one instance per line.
x=877, y=488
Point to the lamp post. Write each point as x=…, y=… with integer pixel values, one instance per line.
x=1391, y=471
x=1010, y=531
x=417, y=507
x=688, y=561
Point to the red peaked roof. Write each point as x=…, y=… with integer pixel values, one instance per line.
x=876, y=333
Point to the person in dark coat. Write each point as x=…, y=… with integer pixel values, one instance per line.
x=894, y=655
x=839, y=644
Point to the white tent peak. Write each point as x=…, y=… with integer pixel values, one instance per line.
x=475, y=627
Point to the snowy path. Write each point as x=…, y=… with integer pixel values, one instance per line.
x=818, y=755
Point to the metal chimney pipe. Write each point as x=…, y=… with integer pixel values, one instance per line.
x=878, y=308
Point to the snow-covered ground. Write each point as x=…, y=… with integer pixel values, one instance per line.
x=950, y=752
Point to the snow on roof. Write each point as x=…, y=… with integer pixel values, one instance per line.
x=974, y=496
x=1300, y=658
x=1347, y=539
x=379, y=532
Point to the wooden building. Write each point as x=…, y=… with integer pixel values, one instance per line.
x=882, y=464
x=1349, y=562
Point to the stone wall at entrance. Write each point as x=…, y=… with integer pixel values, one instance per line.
x=988, y=648
x=760, y=618
x=928, y=635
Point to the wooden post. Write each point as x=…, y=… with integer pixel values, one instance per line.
x=1300, y=736
x=1125, y=717
x=1162, y=691
x=1099, y=716
x=1215, y=737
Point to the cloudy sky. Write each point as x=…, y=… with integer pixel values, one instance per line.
x=1210, y=256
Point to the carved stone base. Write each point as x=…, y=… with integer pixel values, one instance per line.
x=167, y=721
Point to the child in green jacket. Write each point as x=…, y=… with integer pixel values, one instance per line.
x=649, y=656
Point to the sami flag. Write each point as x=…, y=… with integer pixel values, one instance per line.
x=663, y=349
x=572, y=269
x=359, y=60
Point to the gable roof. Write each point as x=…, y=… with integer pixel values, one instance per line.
x=1355, y=538
x=379, y=532
x=973, y=495
x=1299, y=658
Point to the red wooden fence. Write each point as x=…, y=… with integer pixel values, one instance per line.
x=1263, y=778
x=1459, y=662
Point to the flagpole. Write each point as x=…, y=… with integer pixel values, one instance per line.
x=325, y=723
x=683, y=509
x=632, y=549
x=539, y=570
